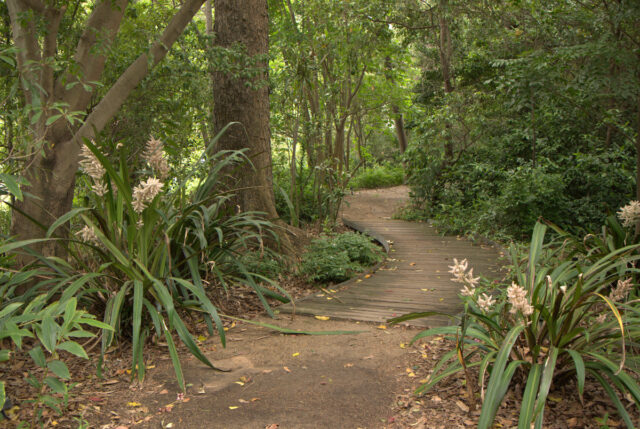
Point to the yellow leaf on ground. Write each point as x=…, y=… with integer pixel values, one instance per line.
x=382, y=327
x=295, y=354
x=286, y=369
x=202, y=338
x=403, y=346
x=233, y=407
x=367, y=276
x=134, y=404
x=411, y=374
x=322, y=317
x=239, y=382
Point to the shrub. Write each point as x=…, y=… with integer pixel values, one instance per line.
x=557, y=318
x=338, y=258
x=378, y=177
x=151, y=252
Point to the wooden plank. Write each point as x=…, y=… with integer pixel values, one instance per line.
x=419, y=258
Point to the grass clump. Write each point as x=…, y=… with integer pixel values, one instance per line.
x=380, y=176
x=337, y=258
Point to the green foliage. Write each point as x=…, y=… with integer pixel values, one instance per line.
x=55, y=326
x=265, y=263
x=338, y=258
x=379, y=176
x=562, y=316
x=541, y=120
x=152, y=254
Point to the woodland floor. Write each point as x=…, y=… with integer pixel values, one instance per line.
x=359, y=380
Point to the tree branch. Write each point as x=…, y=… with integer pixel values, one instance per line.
x=102, y=27
x=136, y=72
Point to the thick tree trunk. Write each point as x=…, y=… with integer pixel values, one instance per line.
x=246, y=22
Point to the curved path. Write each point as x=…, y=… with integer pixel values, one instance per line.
x=415, y=275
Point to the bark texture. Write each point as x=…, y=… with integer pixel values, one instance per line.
x=245, y=22
x=51, y=171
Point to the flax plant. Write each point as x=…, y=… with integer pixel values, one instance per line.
x=554, y=319
x=160, y=252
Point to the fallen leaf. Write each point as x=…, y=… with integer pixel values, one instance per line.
x=382, y=327
x=572, y=422
x=163, y=392
x=233, y=407
x=201, y=338
x=286, y=369
x=322, y=317
x=436, y=398
x=295, y=354
x=412, y=264
x=348, y=365
x=255, y=399
x=134, y=404
x=367, y=276
x=242, y=401
x=272, y=426
x=239, y=382
x=403, y=346
x=462, y=406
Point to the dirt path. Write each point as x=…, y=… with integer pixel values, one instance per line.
x=337, y=381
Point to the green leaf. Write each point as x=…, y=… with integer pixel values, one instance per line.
x=545, y=382
x=614, y=397
x=48, y=333
x=578, y=363
x=527, y=407
x=493, y=398
x=12, y=185
x=51, y=119
x=418, y=315
x=60, y=369
x=55, y=385
x=138, y=297
x=175, y=359
x=5, y=355
x=37, y=355
x=64, y=219
x=73, y=348
x=10, y=308
x=3, y=396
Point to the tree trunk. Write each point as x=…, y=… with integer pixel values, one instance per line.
x=445, y=64
x=246, y=23
x=401, y=133
x=51, y=171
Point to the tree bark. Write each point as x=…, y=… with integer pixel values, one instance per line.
x=247, y=102
x=445, y=64
x=51, y=171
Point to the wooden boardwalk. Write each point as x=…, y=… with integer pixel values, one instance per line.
x=414, y=277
